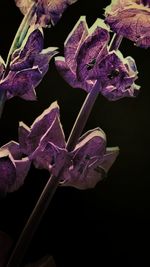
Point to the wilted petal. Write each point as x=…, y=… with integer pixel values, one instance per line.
x=130, y=19
x=47, y=10
x=42, y=59
x=22, y=169
x=41, y=125
x=91, y=48
x=31, y=46
x=88, y=154
x=70, y=77
x=13, y=171
x=49, y=157
x=21, y=82
x=74, y=41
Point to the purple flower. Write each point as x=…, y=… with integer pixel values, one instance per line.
x=28, y=65
x=87, y=59
x=44, y=144
x=13, y=167
x=46, y=10
x=130, y=18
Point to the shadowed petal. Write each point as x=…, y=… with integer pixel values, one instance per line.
x=109, y=158
x=21, y=82
x=2, y=67
x=41, y=125
x=31, y=46
x=132, y=20
x=46, y=261
x=91, y=48
x=74, y=41
x=88, y=153
x=22, y=169
x=70, y=77
x=7, y=171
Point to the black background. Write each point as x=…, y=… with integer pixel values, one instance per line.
x=108, y=225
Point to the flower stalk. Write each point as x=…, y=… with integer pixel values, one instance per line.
x=53, y=182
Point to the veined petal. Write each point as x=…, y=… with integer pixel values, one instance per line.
x=74, y=41
x=91, y=48
x=41, y=125
x=20, y=82
x=70, y=77
x=23, y=132
x=131, y=20
x=31, y=46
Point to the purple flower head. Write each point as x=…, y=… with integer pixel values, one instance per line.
x=28, y=65
x=13, y=167
x=130, y=18
x=87, y=59
x=44, y=144
x=46, y=10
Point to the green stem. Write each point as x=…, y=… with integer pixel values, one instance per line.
x=53, y=182
x=19, y=37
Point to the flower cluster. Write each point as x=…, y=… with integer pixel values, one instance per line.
x=46, y=11
x=87, y=58
x=44, y=145
x=28, y=66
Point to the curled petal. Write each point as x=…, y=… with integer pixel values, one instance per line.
x=88, y=154
x=92, y=47
x=13, y=171
x=70, y=77
x=2, y=67
x=131, y=20
x=74, y=42
x=22, y=82
x=31, y=46
x=41, y=125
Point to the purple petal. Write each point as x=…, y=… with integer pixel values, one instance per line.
x=14, y=148
x=32, y=45
x=7, y=171
x=74, y=41
x=23, y=132
x=22, y=169
x=131, y=21
x=42, y=60
x=21, y=82
x=54, y=134
x=91, y=49
x=70, y=76
x=41, y=125
x=50, y=157
x=88, y=154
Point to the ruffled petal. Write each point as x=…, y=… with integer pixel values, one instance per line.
x=41, y=125
x=93, y=46
x=31, y=46
x=74, y=41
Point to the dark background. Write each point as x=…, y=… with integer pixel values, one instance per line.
x=108, y=225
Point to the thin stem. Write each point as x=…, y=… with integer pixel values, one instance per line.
x=19, y=37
